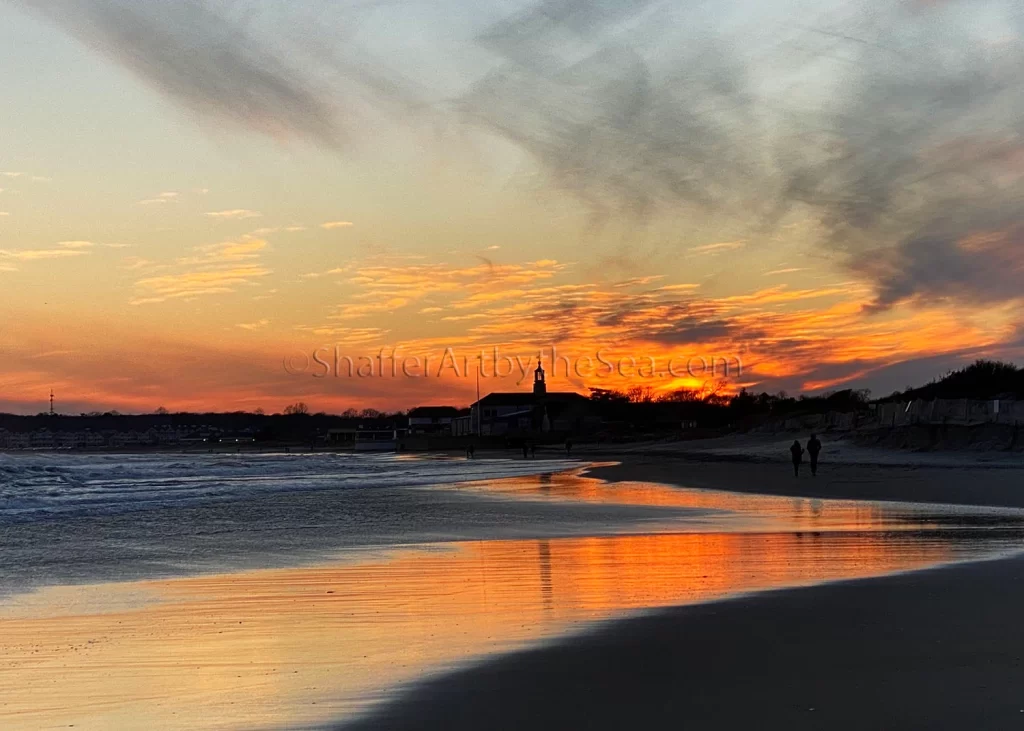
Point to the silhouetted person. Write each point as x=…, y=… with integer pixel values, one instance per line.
x=798, y=454
x=568, y=447
x=813, y=448
x=526, y=451
x=533, y=451
x=470, y=449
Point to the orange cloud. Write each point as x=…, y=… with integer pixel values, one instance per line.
x=234, y=214
x=214, y=269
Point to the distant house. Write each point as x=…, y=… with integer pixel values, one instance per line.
x=432, y=419
x=369, y=435
x=239, y=437
x=518, y=413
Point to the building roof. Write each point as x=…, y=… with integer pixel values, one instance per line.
x=521, y=398
x=433, y=412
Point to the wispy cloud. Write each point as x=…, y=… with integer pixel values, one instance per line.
x=137, y=263
x=214, y=269
x=205, y=55
x=788, y=270
x=234, y=214
x=229, y=251
x=718, y=248
x=640, y=281
x=66, y=249
x=254, y=325
x=387, y=288
x=33, y=178
x=678, y=287
x=351, y=336
x=197, y=283
x=269, y=230
x=162, y=199
x=329, y=225
x=36, y=254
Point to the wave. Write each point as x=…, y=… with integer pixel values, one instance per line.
x=36, y=487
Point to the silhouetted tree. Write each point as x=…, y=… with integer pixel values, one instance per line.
x=983, y=379
x=608, y=395
x=640, y=394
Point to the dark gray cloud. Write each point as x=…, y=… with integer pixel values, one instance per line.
x=270, y=67
x=696, y=332
x=897, y=128
x=919, y=184
x=984, y=266
x=584, y=88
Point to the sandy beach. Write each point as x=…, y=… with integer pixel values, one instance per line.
x=963, y=484
x=939, y=649
x=538, y=600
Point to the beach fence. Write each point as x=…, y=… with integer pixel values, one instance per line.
x=949, y=411
x=960, y=412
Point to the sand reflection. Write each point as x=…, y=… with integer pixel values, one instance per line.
x=732, y=511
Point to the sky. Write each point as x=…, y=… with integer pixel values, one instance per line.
x=221, y=204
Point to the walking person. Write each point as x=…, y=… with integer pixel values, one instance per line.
x=813, y=448
x=797, y=453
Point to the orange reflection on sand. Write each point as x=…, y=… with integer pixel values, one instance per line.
x=727, y=510
x=280, y=648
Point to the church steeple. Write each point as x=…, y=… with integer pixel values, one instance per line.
x=540, y=387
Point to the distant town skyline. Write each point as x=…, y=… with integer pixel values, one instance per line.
x=192, y=193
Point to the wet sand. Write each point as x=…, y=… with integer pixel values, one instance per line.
x=940, y=649
x=1000, y=486
x=303, y=647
